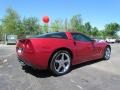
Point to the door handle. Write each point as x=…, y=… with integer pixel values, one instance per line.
x=74, y=43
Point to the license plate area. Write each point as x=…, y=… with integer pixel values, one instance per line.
x=20, y=50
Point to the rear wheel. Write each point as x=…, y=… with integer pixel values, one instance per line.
x=107, y=53
x=60, y=63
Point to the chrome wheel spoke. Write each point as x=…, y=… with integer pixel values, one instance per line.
x=62, y=63
x=62, y=58
x=57, y=61
x=66, y=61
x=58, y=69
x=64, y=66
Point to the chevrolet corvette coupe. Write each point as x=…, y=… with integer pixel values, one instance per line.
x=58, y=51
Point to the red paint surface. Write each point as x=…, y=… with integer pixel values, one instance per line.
x=37, y=51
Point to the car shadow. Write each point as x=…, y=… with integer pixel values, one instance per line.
x=85, y=64
x=37, y=73
x=46, y=73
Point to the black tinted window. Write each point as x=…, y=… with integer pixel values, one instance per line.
x=80, y=37
x=61, y=35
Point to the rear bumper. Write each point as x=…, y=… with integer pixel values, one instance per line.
x=37, y=60
x=32, y=63
x=23, y=62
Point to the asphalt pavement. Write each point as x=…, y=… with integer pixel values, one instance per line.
x=97, y=75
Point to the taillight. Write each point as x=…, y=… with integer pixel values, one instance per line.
x=28, y=46
x=25, y=44
x=21, y=43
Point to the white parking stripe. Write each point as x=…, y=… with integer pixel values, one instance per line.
x=79, y=87
x=76, y=84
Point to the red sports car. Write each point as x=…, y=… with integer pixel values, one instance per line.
x=58, y=51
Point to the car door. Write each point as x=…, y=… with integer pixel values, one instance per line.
x=84, y=47
x=98, y=50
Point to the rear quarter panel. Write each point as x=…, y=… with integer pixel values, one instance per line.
x=45, y=47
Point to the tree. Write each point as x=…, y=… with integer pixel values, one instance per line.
x=76, y=23
x=1, y=32
x=30, y=25
x=95, y=32
x=56, y=25
x=20, y=28
x=45, y=28
x=102, y=34
x=10, y=21
x=0, y=29
x=112, y=29
x=88, y=27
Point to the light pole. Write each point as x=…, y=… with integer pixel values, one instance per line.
x=4, y=37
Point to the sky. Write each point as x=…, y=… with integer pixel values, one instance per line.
x=97, y=12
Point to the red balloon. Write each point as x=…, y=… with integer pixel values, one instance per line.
x=45, y=19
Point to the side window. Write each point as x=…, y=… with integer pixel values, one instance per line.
x=58, y=35
x=81, y=37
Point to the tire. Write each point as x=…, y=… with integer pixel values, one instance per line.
x=107, y=53
x=60, y=63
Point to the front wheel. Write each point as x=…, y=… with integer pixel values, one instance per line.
x=107, y=53
x=60, y=62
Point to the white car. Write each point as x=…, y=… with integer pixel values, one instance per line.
x=110, y=40
x=99, y=40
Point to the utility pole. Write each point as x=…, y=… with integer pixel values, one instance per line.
x=4, y=35
x=66, y=24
